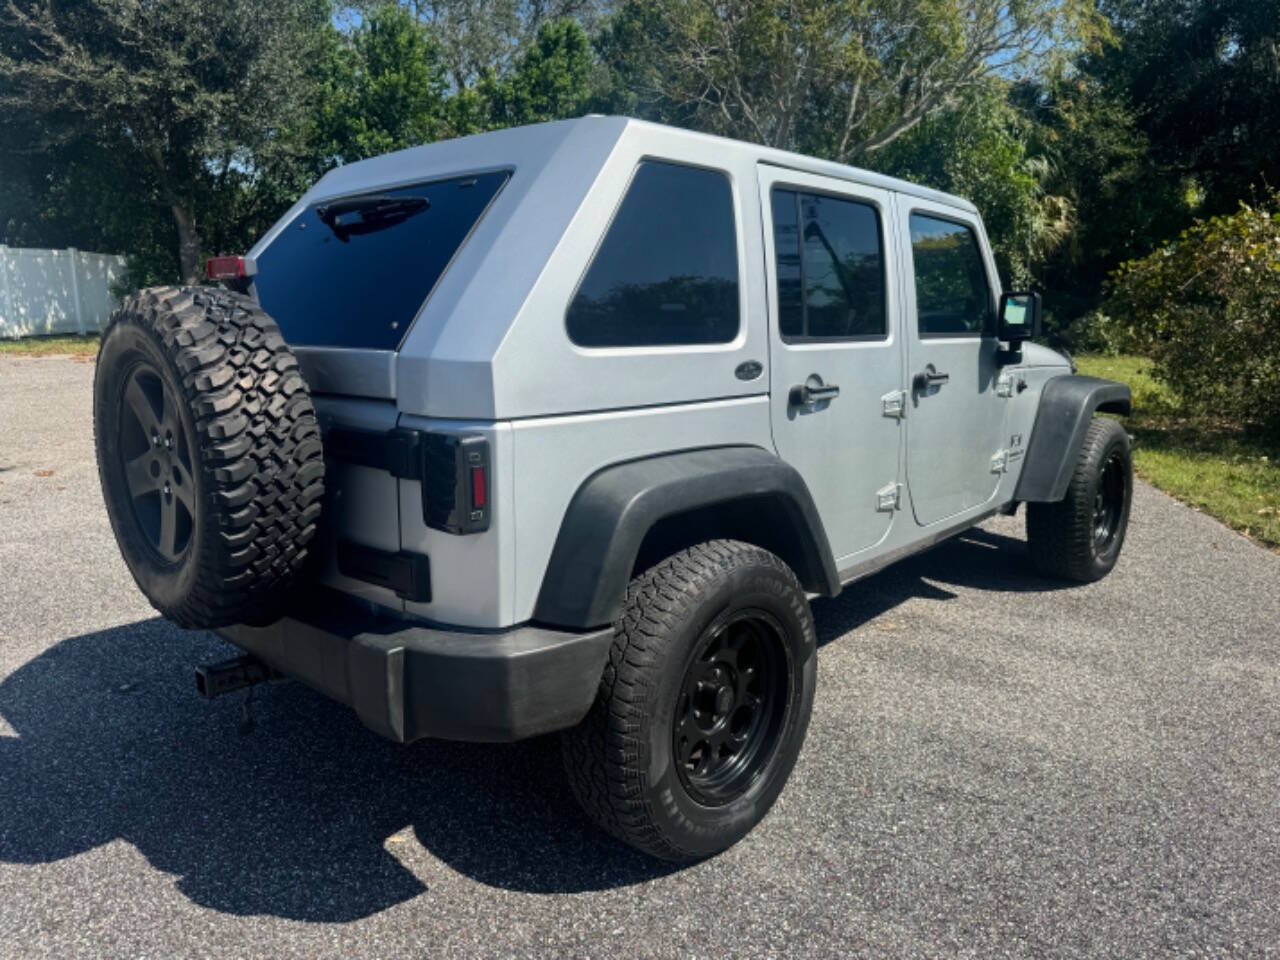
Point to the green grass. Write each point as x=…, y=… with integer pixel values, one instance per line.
x=1218, y=468
x=50, y=346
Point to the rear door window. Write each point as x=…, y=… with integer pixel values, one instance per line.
x=353, y=272
x=831, y=277
x=666, y=272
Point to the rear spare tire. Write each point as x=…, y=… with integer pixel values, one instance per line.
x=209, y=453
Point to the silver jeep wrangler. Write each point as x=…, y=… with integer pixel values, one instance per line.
x=560, y=428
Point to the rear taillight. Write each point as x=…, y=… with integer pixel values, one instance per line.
x=229, y=268
x=455, y=487
x=453, y=469
x=479, y=488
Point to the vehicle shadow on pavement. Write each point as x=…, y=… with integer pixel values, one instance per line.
x=977, y=559
x=303, y=818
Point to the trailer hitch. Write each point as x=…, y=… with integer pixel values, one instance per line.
x=228, y=676
x=239, y=673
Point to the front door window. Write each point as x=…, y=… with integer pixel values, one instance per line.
x=952, y=295
x=956, y=419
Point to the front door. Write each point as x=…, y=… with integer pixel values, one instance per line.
x=835, y=348
x=955, y=421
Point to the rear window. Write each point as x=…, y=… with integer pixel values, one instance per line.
x=353, y=272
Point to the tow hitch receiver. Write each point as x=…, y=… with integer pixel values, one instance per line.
x=227, y=676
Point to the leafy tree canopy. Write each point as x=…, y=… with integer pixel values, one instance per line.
x=383, y=88
x=181, y=93
x=839, y=78
x=1203, y=80
x=1087, y=131
x=479, y=37
x=980, y=149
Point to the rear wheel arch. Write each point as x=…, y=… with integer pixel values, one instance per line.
x=760, y=520
x=628, y=516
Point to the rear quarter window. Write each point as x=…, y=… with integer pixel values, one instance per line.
x=353, y=272
x=666, y=272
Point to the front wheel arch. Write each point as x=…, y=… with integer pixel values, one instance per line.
x=1067, y=407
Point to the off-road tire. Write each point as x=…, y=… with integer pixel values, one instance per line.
x=252, y=444
x=1061, y=536
x=620, y=760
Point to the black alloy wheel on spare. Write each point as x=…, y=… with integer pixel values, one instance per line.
x=155, y=454
x=704, y=703
x=209, y=454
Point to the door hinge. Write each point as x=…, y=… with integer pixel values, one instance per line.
x=1000, y=461
x=1007, y=383
x=889, y=498
x=894, y=404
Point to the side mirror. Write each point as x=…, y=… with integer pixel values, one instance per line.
x=1019, y=317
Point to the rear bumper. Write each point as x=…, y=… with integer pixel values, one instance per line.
x=407, y=681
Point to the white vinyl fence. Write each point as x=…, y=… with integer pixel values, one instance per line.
x=55, y=291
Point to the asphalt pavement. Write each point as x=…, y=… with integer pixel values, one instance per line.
x=998, y=765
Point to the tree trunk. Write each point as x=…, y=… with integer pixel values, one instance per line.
x=188, y=243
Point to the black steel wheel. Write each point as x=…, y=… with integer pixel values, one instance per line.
x=1109, y=502
x=1079, y=537
x=732, y=706
x=704, y=703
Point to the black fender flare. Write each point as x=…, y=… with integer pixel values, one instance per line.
x=615, y=508
x=1067, y=404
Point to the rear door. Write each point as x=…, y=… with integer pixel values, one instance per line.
x=955, y=423
x=835, y=348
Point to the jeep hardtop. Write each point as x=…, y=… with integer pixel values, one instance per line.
x=560, y=428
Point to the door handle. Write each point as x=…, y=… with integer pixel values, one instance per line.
x=929, y=377
x=812, y=392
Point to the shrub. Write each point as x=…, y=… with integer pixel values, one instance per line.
x=1096, y=332
x=1206, y=310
